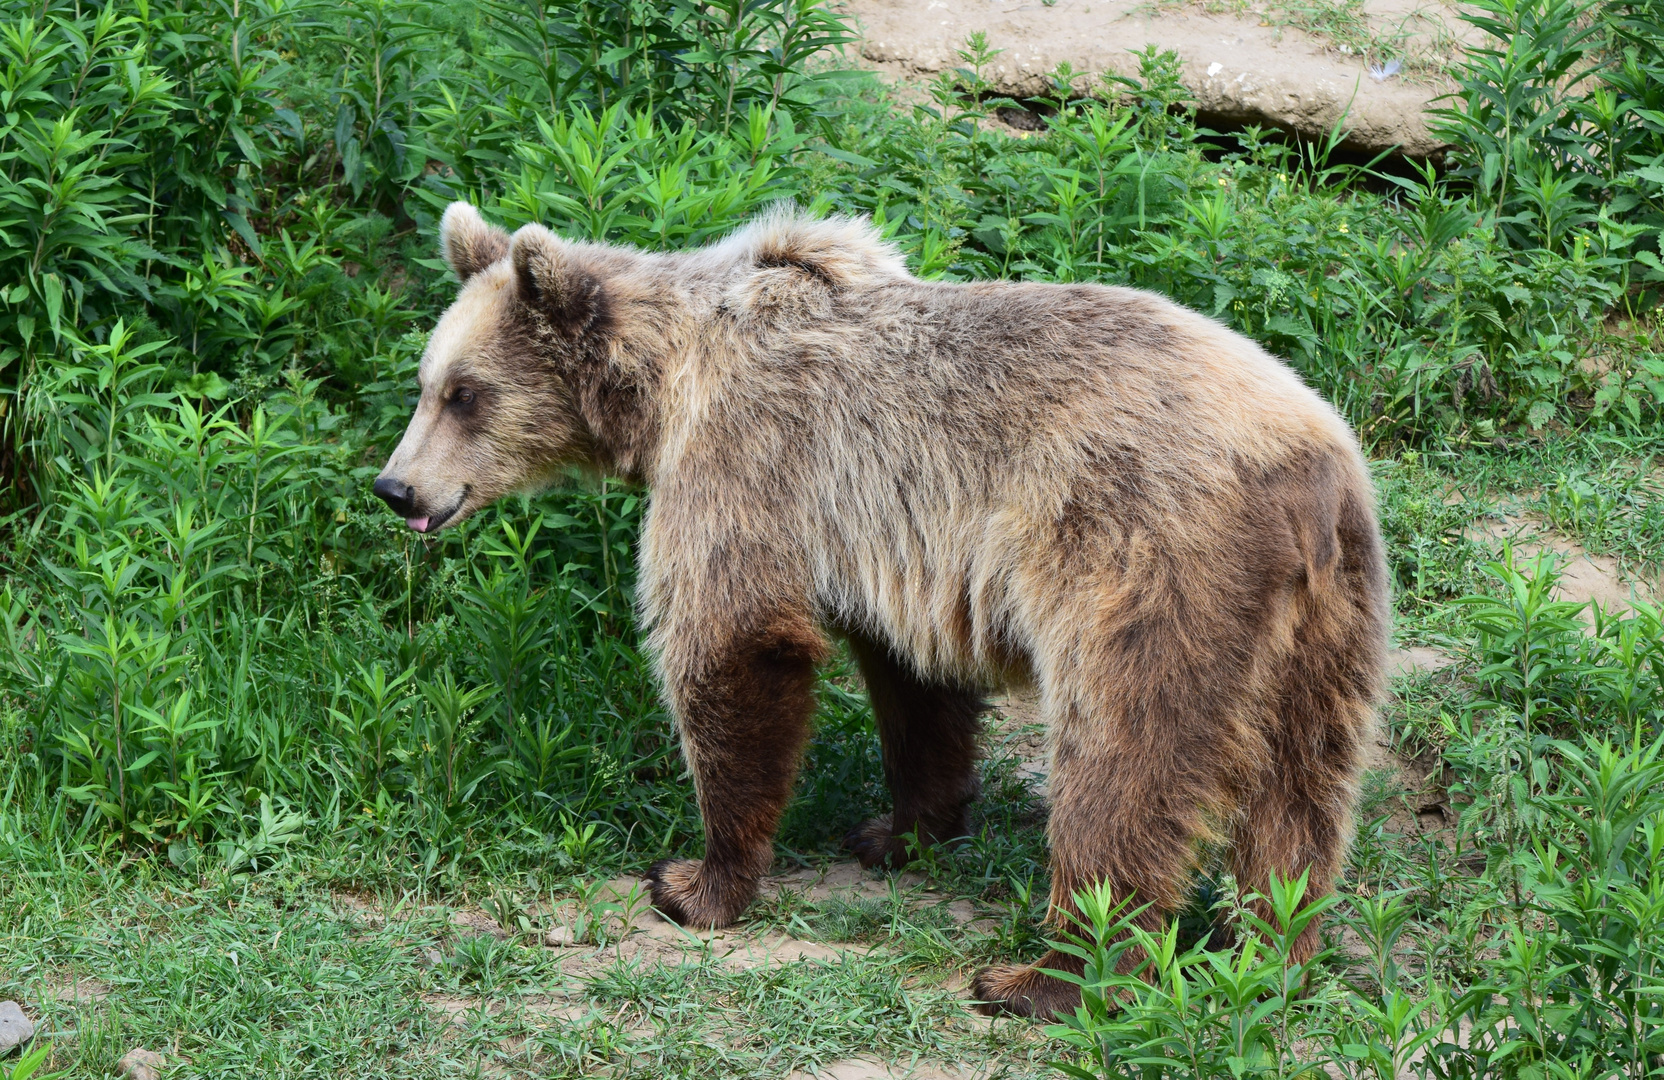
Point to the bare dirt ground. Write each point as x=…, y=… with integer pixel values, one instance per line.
x=1583, y=576
x=74, y=990
x=868, y=1069
x=1300, y=65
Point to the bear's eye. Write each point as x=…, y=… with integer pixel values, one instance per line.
x=462, y=395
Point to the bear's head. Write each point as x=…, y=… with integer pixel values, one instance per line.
x=511, y=374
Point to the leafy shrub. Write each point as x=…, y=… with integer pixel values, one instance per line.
x=1555, y=111
x=1192, y=1012
x=709, y=64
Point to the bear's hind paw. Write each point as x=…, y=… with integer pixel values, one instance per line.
x=1021, y=990
x=874, y=844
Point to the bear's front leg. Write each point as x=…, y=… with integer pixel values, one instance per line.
x=743, y=707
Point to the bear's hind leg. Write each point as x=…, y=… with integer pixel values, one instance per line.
x=744, y=710
x=1299, y=817
x=1142, y=758
x=929, y=736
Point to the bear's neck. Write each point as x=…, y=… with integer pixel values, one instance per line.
x=620, y=410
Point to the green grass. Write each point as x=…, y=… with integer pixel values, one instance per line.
x=281, y=972
x=323, y=955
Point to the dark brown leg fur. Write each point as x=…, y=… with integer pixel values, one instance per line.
x=745, y=717
x=1298, y=819
x=928, y=732
x=1131, y=817
x=1022, y=989
x=1169, y=727
x=1134, y=775
x=1300, y=814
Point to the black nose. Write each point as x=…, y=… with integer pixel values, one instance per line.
x=401, y=497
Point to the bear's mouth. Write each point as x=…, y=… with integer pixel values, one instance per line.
x=434, y=522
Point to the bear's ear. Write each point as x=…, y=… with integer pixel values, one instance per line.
x=468, y=243
x=554, y=282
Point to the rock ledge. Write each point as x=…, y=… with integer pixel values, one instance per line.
x=1240, y=70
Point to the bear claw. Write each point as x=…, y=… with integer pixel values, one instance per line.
x=663, y=897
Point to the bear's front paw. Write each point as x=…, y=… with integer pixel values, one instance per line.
x=685, y=892
x=874, y=844
x=1021, y=990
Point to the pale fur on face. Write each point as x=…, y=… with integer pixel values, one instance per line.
x=492, y=419
x=436, y=458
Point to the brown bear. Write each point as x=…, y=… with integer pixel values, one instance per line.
x=1089, y=490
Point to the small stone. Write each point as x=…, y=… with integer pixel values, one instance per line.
x=560, y=937
x=432, y=957
x=141, y=1064
x=15, y=1028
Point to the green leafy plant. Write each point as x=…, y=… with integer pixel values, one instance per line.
x=28, y=1066
x=1150, y=1007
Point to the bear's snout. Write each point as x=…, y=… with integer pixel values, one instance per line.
x=398, y=495
x=419, y=514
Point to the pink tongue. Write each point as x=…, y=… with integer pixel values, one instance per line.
x=419, y=524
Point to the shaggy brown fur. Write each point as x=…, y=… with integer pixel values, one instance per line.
x=1086, y=488
x=928, y=735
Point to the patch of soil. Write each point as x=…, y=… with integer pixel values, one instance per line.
x=1243, y=62
x=653, y=940
x=362, y=909
x=1415, y=659
x=81, y=990
x=1423, y=803
x=868, y=1069
x=778, y=948
x=475, y=921
x=1583, y=577
x=459, y=1010
x=846, y=880
x=737, y=945
x=572, y=1010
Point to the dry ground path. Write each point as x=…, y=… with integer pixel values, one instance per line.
x=1299, y=65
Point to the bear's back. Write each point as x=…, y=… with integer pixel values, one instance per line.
x=1013, y=379
x=931, y=453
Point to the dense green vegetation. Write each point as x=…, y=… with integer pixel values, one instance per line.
x=231, y=683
